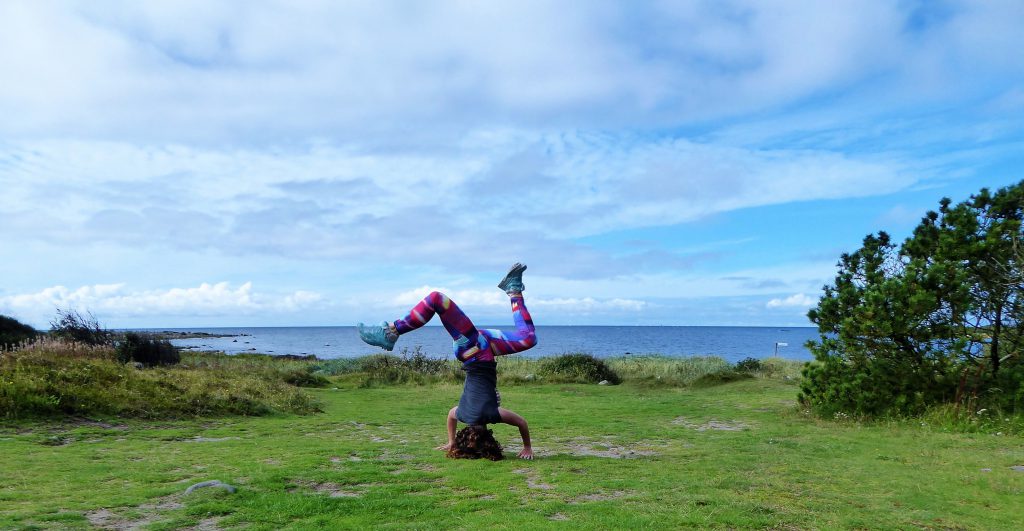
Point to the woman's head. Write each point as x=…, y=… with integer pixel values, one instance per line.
x=474, y=442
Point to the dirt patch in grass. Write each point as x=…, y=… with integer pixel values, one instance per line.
x=333, y=490
x=532, y=481
x=713, y=424
x=208, y=524
x=151, y=513
x=167, y=503
x=198, y=438
x=606, y=448
x=84, y=422
x=103, y=518
x=558, y=517
x=598, y=496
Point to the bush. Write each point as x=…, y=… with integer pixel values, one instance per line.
x=146, y=350
x=748, y=365
x=874, y=387
x=577, y=368
x=13, y=332
x=409, y=367
x=305, y=377
x=69, y=325
x=337, y=366
x=721, y=377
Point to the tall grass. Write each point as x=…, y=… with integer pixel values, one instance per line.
x=51, y=377
x=413, y=367
x=408, y=367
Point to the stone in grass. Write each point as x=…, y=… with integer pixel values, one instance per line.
x=213, y=483
x=1018, y=468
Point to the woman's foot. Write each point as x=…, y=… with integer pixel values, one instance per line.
x=513, y=281
x=383, y=336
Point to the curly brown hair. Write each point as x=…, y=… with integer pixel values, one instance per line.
x=474, y=442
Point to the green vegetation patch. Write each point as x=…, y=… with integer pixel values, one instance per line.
x=13, y=332
x=59, y=378
x=577, y=368
x=416, y=368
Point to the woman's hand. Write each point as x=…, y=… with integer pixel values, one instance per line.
x=444, y=447
x=527, y=453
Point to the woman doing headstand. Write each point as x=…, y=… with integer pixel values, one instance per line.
x=476, y=349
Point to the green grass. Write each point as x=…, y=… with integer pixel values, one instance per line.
x=738, y=455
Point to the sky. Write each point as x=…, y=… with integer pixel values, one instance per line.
x=316, y=163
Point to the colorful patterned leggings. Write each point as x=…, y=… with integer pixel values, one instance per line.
x=472, y=344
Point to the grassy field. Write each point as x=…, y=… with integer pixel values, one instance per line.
x=739, y=455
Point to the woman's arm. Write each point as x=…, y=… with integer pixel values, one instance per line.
x=510, y=417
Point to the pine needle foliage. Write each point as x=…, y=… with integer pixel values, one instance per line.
x=936, y=320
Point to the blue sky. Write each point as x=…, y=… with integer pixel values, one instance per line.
x=192, y=163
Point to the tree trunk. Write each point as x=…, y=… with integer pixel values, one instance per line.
x=997, y=327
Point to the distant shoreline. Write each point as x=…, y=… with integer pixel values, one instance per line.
x=173, y=334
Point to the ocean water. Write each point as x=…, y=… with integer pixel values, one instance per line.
x=732, y=343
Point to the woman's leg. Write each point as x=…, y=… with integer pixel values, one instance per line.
x=463, y=332
x=523, y=338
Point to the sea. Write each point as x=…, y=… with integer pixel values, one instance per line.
x=733, y=343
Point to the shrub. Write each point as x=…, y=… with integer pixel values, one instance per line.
x=577, y=368
x=13, y=332
x=874, y=387
x=337, y=366
x=776, y=367
x=146, y=350
x=748, y=365
x=69, y=325
x=409, y=367
x=721, y=377
x=304, y=377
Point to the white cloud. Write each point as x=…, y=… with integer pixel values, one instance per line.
x=244, y=70
x=572, y=305
x=596, y=183
x=114, y=301
x=320, y=201
x=463, y=297
x=798, y=300
x=491, y=297
x=899, y=216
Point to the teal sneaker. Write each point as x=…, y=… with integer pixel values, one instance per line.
x=513, y=281
x=378, y=336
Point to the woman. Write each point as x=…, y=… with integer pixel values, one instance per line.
x=476, y=349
